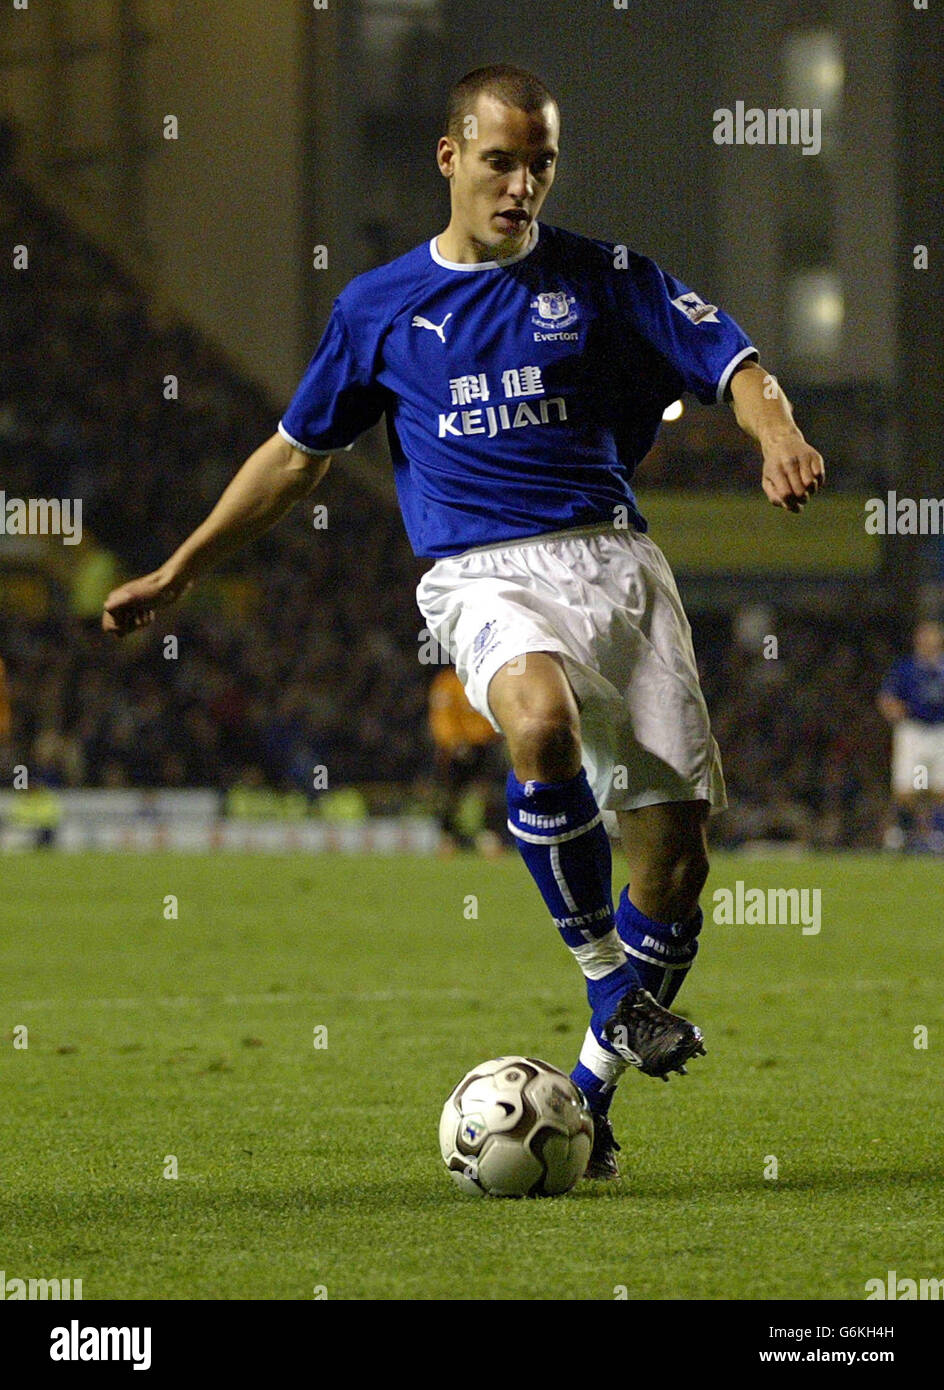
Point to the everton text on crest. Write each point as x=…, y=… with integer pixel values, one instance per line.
x=554, y=312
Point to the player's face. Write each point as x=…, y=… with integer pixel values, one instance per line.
x=500, y=179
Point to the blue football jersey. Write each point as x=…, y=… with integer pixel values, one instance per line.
x=519, y=397
x=920, y=687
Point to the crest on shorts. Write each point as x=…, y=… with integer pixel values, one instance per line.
x=554, y=308
x=481, y=638
x=484, y=641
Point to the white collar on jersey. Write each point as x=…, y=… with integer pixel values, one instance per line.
x=485, y=265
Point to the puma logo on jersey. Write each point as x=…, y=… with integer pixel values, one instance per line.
x=420, y=322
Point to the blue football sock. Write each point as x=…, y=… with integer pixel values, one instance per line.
x=560, y=833
x=599, y=1067
x=599, y=1093
x=662, y=952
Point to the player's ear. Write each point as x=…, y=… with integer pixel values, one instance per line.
x=446, y=152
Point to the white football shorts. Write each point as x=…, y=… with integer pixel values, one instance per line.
x=917, y=745
x=605, y=600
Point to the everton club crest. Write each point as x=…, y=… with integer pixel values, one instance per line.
x=554, y=309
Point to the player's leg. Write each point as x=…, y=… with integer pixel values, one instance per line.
x=552, y=811
x=658, y=926
x=658, y=917
x=534, y=703
x=652, y=757
x=556, y=821
x=554, y=817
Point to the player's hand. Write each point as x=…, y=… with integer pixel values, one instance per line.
x=133, y=605
x=793, y=471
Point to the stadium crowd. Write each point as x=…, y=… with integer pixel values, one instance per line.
x=306, y=653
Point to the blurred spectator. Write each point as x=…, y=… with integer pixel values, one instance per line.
x=464, y=765
x=912, y=700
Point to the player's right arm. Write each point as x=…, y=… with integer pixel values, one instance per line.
x=269, y=483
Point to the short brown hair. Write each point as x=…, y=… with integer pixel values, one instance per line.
x=513, y=86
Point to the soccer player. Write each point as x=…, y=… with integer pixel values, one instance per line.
x=523, y=371
x=912, y=700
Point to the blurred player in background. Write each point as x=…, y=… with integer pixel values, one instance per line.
x=523, y=371
x=912, y=700
x=464, y=742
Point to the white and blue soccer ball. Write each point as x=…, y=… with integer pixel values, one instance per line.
x=516, y=1127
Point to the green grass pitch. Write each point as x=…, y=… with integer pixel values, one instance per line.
x=302, y=1168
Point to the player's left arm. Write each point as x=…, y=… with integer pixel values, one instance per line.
x=793, y=470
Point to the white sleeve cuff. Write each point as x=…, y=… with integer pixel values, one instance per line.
x=729, y=370
x=303, y=448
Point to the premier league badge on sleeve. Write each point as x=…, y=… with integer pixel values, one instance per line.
x=694, y=307
x=554, y=309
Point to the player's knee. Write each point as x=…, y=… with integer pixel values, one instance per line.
x=545, y=745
